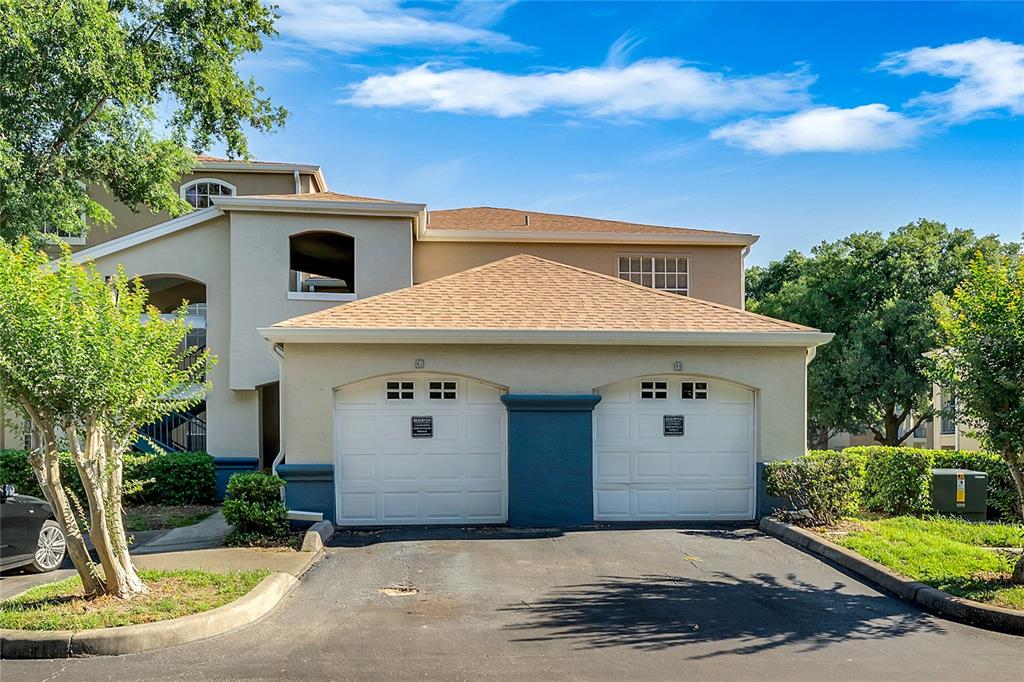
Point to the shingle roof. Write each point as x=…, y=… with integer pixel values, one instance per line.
x=207, y=158
x=321, y=196
x=529, y=293
x=486, y=218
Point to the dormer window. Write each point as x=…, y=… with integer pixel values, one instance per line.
x=199, y=193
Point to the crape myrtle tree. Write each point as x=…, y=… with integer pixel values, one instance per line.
x=80, y=83
x=874, y=293
x=981, y=359
x=85, y=358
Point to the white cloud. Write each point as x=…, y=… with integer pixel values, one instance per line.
x=349, y=26
x=824, y=129
x=990, y=75
x=660, y=88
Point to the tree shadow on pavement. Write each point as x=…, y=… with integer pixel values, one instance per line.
x=749, y=615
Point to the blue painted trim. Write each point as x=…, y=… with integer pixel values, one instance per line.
x=764, y=503
x=226, y=467
x=306, y=472
x=309, y=487
x=550, y=403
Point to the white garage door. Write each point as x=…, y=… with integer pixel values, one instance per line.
x=674, y=448
x=418, y=449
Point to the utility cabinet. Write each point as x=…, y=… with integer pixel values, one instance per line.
x=960, y=492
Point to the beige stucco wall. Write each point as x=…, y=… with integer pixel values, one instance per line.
x=202, y=253
x=259, y=276
x=716, y=272
x=242, y=258
x=127, y=221
x=313, y=371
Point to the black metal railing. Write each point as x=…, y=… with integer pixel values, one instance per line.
x=178, y=431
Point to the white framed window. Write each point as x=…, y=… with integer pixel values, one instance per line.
x=399, y=390
x=666, y=273
x=442, y=390
x=65, y=236
x=199, y=192
x=695, y=390
x=653, y=390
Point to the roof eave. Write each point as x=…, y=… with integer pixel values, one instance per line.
x=713, y=239
x=797, y=339
x=265, y=167
x=147, y=234
x=370, y=208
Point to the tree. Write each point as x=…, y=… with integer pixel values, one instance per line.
x=90, y=363
x=874, y=293
x=981, y=359
x=79, y=84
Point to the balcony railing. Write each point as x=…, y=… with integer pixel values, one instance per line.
x=179, y=431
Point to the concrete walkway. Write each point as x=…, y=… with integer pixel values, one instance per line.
x=197, y=546
x=210, y=532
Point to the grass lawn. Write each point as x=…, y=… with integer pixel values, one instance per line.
x=61, y=606
x=952, y=555
x=160, y=517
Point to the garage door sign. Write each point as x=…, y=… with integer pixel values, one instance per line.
x=674, y=425
x=422, y=427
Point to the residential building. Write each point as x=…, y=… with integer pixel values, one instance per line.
x=403, y=365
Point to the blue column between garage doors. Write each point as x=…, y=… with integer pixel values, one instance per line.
x=550, y=459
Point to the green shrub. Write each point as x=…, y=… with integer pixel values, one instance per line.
x=897, y=480
x=179, y=478
x=174, y=478
x=821, y=487
x=253, y=506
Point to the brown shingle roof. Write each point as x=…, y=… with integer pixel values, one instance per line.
x=207, y=158
x=486, y=218
x=529, y=293
x=321, y=196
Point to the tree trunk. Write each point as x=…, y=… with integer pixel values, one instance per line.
x=106, y=529
x=1016, y=467
x=47, y=470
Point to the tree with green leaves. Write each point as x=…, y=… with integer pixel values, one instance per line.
x=874, y=293
x=90, y=363
x=80, y=81
x=981, y=359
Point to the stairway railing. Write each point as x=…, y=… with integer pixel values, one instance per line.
x=178, y=431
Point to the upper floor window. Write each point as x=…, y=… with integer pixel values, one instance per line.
x=322, y=266
x=947, y=424
x=667, y=273
x=199, y=192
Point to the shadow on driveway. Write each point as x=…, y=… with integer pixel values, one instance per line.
x=762, y=612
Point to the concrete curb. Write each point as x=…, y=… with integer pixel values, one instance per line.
x=928, y=598
x=135, y=638
x=317, y=536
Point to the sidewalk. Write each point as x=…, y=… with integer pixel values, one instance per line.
x=197, y=546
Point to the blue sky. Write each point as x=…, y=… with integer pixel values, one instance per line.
x=795, y=121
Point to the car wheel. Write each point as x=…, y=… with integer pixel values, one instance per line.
x=50, y=549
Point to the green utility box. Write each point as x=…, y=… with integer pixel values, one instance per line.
x=959, y=492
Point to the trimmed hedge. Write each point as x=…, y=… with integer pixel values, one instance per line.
x=253, y=506
x=174, y=478
x=821, y=487
x=898, y=480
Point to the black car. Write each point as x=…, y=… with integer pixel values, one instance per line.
x=29, y=536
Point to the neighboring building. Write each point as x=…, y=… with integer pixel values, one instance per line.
x=942, y=432
x=468, y=398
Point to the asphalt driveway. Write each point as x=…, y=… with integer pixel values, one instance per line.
x=714, y=603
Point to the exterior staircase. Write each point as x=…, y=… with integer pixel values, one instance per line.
x=177, y=432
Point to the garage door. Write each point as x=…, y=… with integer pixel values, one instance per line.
x=420, y=449
x=674, y=448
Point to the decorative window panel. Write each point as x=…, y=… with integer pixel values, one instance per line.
x=399, y=390
x=695, y=390
x=653, y=390
x=442, y=390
